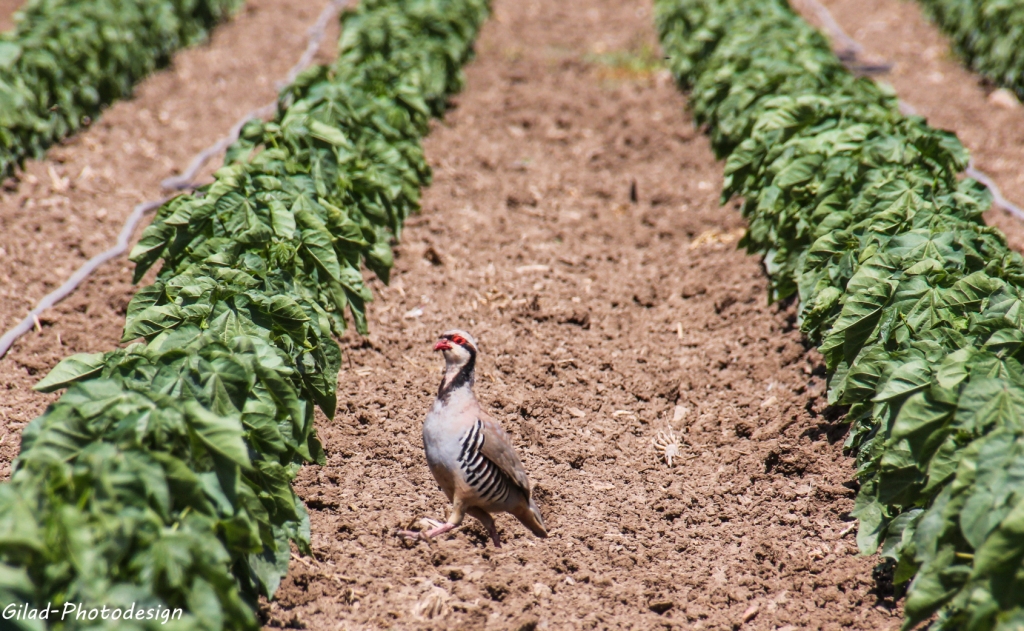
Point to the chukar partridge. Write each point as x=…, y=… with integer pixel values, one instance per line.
x=469, y=453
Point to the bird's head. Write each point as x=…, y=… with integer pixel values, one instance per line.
x=459, y=348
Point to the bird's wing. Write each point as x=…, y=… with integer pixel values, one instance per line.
x=498, y=449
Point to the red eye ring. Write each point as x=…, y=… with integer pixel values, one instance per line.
x=458, y=339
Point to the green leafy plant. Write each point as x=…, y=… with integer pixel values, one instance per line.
x=67, y=59
x=915, y=304
x=988, y=34
x=162, y=476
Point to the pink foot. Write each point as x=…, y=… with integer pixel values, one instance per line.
x=426, y=535
x=414, y=535
x=440, y=530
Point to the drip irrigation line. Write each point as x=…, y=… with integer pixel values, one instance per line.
x=848, y=48
x=997, y=195
x=851, y=47
x=316, y=38
x=316, y=35
x=83, y=272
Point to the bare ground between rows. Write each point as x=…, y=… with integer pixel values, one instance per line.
x=930, y=77
x=71, y=206
x=7, y=9
x=602, y=322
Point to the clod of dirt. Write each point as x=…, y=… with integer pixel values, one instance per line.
x=788, y=462
x=750, y=613
x=517, y=200
x=433, y=256
x=690, y=290
x=1005, y=99
x=433, y=604
x=579, y=318
x=496, y=592
x=724, y=303
x=660, y=606
x=455, y=574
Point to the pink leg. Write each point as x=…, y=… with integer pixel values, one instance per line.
x=440, y=530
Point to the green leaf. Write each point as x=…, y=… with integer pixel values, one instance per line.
x=1004, y=548
x=799, y=171
x=285, y=311
x=71, y=369
x=283, y=219
x=922, y=420
x=935, y=584
x=9, y=54
x=222, y=434
x=988, y=403
x=328, y=134
x=967, y=293
x=19, y=529
x=954, y=368
x=858, y=318
x=873, y=519
x=270, y=566
x=153, y=320
x=909, y=377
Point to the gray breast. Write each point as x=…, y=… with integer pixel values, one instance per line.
x=483, y=476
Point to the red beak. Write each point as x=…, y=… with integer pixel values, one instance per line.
x=443, y=345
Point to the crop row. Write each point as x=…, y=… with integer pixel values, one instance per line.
x=988, y=34
x=915, y=304
x=67, y=59
x=162, y=475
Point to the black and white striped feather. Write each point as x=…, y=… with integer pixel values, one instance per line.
x=482, y=475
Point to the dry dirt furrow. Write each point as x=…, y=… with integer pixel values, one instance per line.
x=930, y=77
x=7, y=9
x=72, y=205
x=602, y=322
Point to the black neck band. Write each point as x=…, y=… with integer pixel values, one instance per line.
x=464, y=376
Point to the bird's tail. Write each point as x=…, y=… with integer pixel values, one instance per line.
x=529, y=515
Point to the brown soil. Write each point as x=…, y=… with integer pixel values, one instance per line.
x=928, y=76
x=602, y=323
x=7, y=9
x=71, y=206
